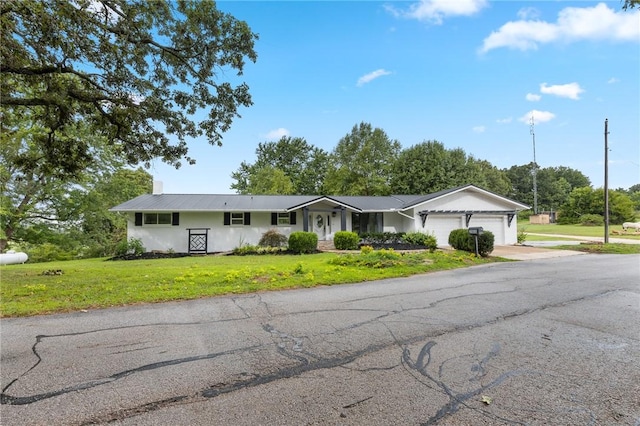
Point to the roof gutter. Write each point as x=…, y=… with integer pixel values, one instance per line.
x=404, y=215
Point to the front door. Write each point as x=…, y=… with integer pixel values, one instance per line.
x=318, y=225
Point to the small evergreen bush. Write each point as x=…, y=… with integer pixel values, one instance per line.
x=303, y=242
x=345, y=240
x=485, y=243
x=272, y=238
x=460, y=239
x=420, y=239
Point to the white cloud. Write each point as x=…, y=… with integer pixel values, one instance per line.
x=570, y=90
x=277, y=133
x=528, y=13
x=538, y=117
x=504, y=120
x=532, y=97
x=573, y=24
x=367, y=78
x=434, y=11
x=613, y=80
x=479, y=129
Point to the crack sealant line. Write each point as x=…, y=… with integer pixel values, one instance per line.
x=7, y=399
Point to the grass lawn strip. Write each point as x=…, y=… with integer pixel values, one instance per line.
x=41, y=288
x=600, y=248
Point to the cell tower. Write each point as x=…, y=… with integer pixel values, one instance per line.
x=534, y=172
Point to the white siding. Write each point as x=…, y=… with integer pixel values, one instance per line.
x=220, y=237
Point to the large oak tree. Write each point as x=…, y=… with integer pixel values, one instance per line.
x=135, y=72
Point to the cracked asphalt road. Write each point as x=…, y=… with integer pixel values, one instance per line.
x=550, y=341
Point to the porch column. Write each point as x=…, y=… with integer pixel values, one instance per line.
x=305, y=219
x=343, y=219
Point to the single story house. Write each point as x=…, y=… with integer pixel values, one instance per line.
x=209, y=223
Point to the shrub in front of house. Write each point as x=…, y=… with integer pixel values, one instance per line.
x=378, y=239
x=399, y=240
x=460, y=239
x=485, y=243
x=132, y=246
x=248, y=249
x=272, y=238
x=421, y=239
x=303, y=242
x=346, y=240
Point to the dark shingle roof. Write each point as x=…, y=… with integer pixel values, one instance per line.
x=273, y=203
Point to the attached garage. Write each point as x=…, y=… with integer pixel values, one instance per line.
x=466, y=207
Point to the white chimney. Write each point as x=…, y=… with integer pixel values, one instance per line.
x=157, y=187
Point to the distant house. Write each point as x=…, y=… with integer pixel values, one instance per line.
x=212, y=223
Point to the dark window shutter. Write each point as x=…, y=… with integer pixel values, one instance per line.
x=292, y=218
x=175, y=218
x=274, y=218
x=227, y=218
x=138, y=219
x=247, y=218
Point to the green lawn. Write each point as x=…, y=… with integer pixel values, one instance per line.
x=611, y=248
x=96, y=283
x=585, y=231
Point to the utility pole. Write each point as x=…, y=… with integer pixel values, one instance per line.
x=535, y=169
x=606, y=181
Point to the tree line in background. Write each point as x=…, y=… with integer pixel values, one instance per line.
x=367, y=162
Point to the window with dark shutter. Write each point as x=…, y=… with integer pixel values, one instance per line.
x=175, y=218
x=247, y=218
x=292, y=218
x=227, y=218
x=138, y=219
x=274, y=219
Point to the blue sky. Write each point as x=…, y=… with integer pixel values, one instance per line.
x=468, y=73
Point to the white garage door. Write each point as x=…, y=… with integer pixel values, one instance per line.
x=441, y=226
x=493, y=224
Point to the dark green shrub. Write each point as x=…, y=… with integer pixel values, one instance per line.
x=377, y=238
x=303, y=242
x=460, y=239
x=591, y=220
x=485, y=243
x=345, y=240
x=272, y=238
x=421, y=239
